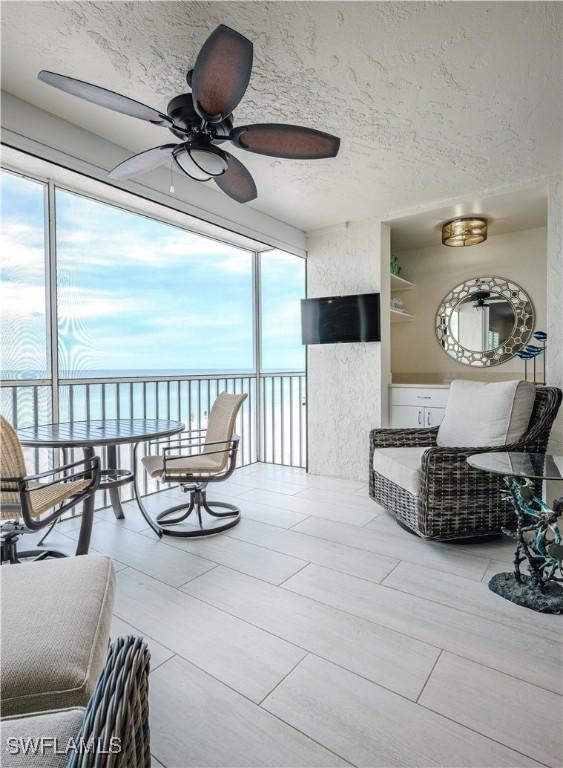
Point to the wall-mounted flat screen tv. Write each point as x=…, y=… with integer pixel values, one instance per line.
x=338, y=319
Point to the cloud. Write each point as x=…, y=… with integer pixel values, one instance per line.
x=108, y=233
x=282, y=321
x=21, y=300
x=23, y=252
x=82, y=303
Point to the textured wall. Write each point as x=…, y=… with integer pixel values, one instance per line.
x=435, y=270
x=554, y=302
x=344, y=380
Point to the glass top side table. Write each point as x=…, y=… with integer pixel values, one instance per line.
x=537, y=533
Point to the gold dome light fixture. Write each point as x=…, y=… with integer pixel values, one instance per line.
x=467, y=230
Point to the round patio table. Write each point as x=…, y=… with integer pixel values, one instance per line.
x=88, y=435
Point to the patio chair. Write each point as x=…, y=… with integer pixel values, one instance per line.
x=25, y=500
x=205, y=456
x=433, y=492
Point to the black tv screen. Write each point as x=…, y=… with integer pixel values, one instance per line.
x=337, y=319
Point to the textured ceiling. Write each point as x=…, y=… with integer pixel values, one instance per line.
x=431, y=100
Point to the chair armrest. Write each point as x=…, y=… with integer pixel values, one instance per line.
x=402, y=438
x=180, y=440
x=91, y=470
x=229, y=445
x=117, y=714
x=440, y=455
x=225, y=441
x=447, y=478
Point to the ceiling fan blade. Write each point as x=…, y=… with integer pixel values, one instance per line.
x=221, y=73
x=286, y=141
x=104, y=98
x=237, y=181
x=143, y=162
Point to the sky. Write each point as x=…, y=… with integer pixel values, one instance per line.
x=135, y=294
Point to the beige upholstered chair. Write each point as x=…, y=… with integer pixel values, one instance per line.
x=205, y=456
x=25, y=500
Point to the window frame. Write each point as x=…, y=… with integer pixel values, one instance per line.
x=53, y=381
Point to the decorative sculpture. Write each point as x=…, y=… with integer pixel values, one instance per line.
x=531, y=352
x=539, y=543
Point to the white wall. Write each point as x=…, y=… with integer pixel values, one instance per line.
x=30, y=129
x=555, y=307
x=416, y=355
x=344, y=389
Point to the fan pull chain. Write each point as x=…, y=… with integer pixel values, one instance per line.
x=171, y=181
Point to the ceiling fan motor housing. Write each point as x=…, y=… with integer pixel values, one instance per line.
x=181, y=111
x=186, y=119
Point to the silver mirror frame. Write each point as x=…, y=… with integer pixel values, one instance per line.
x=524, y=321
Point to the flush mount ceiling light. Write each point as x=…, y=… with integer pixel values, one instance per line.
x=470, y=230
x=204, y=118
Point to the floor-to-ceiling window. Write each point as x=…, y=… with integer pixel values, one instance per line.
x=24, y=336
x=282, y=355
x=136, y=296
x=23, y=308
x=118, y=314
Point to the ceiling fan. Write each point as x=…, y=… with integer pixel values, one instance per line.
x=203, y=120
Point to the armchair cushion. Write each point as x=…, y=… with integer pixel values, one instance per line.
x=50, y=732
x=485, y=414
x=55, y=621
x=401, y=466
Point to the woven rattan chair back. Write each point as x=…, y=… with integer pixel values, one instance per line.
x=12, y=465
x=546, y=407
x=221, y=424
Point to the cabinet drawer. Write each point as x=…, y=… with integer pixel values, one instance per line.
x=420, y=396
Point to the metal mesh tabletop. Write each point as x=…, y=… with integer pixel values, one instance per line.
x=97, y=432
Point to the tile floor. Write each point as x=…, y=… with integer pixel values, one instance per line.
x=319, y=633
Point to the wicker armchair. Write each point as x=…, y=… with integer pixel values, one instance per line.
x=456, y=501
x=25, y=500
x=115, y=731
x=112, y=732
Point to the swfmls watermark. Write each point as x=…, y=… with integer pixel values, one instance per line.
x=52, y=745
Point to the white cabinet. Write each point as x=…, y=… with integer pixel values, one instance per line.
x=433, y=416
x=406, y=416
x=413, y=407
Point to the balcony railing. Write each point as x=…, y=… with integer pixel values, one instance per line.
x=271, y=424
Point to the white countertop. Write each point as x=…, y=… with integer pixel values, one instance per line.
x=422, y=386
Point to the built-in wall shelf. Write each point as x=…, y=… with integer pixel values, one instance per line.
x=400, y=317
x=400, y=284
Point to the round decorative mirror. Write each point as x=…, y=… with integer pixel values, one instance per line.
x=485, y=321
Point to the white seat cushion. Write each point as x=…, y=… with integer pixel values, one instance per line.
x=481, y=414
x=400, y=465
x=193, y=465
